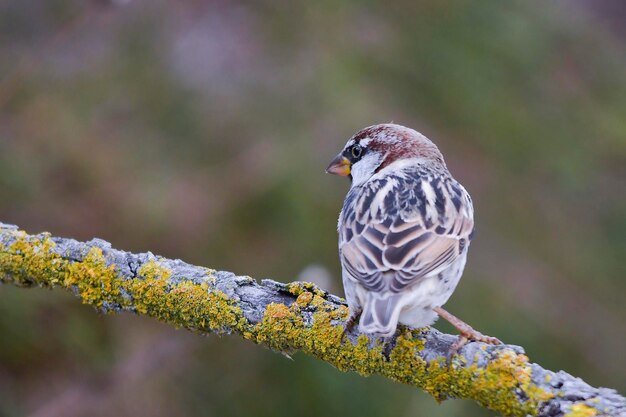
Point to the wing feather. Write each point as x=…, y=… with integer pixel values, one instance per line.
x=396, y=231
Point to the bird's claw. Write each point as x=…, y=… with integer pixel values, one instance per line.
x=350, y=323
x=469, y=335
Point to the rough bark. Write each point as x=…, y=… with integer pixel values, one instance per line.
x=295, y=317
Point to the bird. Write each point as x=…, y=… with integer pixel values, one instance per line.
x=404, y=232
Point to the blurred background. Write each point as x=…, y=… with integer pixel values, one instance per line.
x=201, y=129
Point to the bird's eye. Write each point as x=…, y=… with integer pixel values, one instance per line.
x=357, y=151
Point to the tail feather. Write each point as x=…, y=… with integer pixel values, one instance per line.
x=380, y=314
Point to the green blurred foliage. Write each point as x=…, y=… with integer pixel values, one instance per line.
x=200, y=130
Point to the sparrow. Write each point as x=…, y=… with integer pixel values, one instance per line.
x=404, y=232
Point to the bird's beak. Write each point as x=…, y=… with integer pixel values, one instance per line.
x=339, y=166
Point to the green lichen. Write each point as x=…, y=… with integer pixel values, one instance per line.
x=31, y=260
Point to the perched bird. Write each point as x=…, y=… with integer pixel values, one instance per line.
x=404, y=231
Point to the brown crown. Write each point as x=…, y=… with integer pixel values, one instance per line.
x=398, y=142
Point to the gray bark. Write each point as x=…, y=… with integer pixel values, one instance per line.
x=571, y=395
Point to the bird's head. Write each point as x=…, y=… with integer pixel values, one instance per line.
x=376, y=147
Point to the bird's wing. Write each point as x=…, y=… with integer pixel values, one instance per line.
x=398, y=229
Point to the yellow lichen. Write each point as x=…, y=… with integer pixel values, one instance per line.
x=318, y=301
x=154, y=270
x=96, y=282
x=582, y=410
x=28, y=260
x=31, y=260
x=304, y=299
x=298, y=287
x=495, y=386
x=277, y=311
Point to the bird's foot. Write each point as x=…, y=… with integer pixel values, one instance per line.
x=468, y=334
x=354, y=315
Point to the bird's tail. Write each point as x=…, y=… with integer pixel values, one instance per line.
x=380, y=314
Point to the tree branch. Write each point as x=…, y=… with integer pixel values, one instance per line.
x=292, y=317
